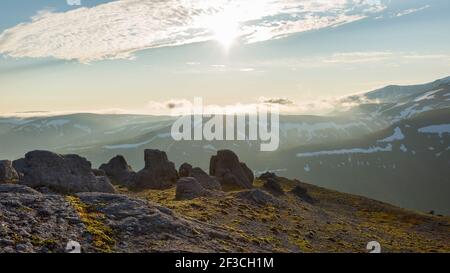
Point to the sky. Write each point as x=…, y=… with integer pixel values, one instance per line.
x=143, y=56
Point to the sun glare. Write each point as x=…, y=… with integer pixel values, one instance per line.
x=225, y=29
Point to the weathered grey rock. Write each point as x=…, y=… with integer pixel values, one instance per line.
x=38, y=220
x=119, y=171
x=61, y=173
x=7, y=172
x=158, y=173
x=189, y=188
x=229, y=171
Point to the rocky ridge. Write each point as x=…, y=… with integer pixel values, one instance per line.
x=47, y=200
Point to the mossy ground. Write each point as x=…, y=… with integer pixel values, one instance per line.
x=336, y=223
x=102, y=235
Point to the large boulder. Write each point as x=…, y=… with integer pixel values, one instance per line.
x=61, y=173
x=229, y=171
x=7, y=172
x=189, y=188
x=118, y=170
x=158, y=173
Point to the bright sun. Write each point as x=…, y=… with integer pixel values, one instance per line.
x=225, y=29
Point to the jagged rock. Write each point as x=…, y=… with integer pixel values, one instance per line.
x=62, y=173
x=273, y=186
x=302, y=193
x=119, y=171
x=189, y=188
x=185, y=170
x=7, y=172
x=258, y=196
x=158, y=173
x=229, y=171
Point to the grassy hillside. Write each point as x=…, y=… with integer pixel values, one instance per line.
x=335, y=222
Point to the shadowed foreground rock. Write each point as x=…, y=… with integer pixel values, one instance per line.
x=62, y=173
x=229, y=171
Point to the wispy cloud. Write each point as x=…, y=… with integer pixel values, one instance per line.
x=358, y=57
x=118, y=29
x=411, y=11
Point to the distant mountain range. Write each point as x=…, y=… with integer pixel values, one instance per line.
x=391, y=144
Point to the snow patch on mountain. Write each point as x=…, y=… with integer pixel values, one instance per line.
x=403, y=148
x=83, y=128
x=398, y=135
x=428, y=95
x=436, y=129
x=370, y=150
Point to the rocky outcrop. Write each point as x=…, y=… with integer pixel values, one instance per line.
x=61, y=173
x=268, y=175
x=185, y=170
x=7, y=172
x=158, y=173
x=272, y=183
x=208, y=182
x=302, y=193
x=189, y=188
x=118, y=170
x=231, y=173
x=273, y=186
x=33, y=222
